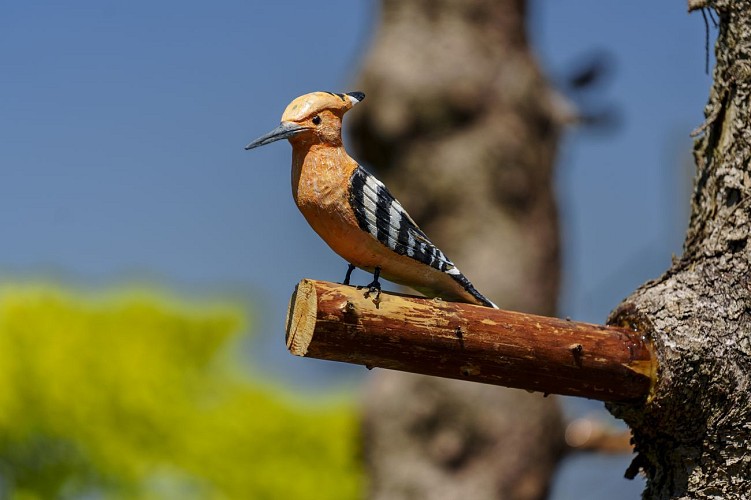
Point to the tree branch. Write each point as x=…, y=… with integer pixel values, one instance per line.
x=462, y=341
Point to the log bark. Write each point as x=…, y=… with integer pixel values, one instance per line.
x=693, y=436
x=466, y=342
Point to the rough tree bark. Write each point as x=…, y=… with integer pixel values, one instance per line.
x=463, y=128
x=693, y=435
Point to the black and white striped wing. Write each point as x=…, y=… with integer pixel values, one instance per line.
x=381, y=215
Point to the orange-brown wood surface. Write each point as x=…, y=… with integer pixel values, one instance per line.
x=463, y=341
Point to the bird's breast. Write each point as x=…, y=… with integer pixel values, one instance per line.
x=320, y=181
x=320, y=187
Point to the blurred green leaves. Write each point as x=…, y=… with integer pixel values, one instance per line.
x=136, y=397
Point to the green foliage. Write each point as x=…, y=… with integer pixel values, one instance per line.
x=135, y=397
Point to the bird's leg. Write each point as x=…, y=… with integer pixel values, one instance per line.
x=375, y=285
x=348, y=275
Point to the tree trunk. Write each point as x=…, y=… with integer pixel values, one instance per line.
x=463, y=129
x=693, y=434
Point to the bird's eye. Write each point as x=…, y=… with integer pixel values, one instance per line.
x=316, y=120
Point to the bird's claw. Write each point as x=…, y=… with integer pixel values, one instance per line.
x=374, y=287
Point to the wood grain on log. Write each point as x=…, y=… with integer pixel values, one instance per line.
x=462, y=341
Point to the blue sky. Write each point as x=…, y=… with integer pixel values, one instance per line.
x=122, y=126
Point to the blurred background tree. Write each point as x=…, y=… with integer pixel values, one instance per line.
x=465, y=131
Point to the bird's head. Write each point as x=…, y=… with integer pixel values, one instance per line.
x=312, y=118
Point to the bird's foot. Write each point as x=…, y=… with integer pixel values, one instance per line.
x=348, y=275
x=374, y=286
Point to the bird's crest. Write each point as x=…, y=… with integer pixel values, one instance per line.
x=316, y=102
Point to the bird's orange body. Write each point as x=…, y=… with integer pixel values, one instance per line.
x=320, y=187
x=324, y=190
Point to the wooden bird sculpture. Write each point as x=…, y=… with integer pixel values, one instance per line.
x=354, y=212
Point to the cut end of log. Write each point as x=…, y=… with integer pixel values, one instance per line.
x=301, y=318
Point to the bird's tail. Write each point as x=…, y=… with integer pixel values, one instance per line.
x=470, y=289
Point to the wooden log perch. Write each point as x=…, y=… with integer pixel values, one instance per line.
x=463, y=341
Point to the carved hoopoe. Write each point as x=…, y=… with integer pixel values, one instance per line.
x=353, y=211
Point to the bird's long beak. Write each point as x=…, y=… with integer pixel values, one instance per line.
x=285, y=130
